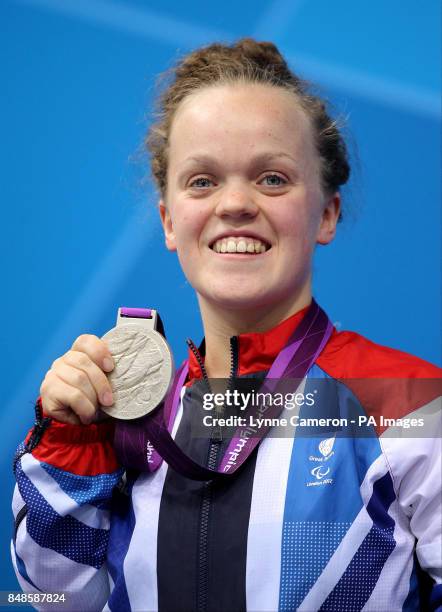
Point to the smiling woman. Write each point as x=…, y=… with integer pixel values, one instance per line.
x=238, y=136
x=248, y=166
x=243, y=152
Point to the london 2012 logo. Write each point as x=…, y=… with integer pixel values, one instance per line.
x=320, y=471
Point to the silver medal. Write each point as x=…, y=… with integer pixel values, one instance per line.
x=143, y=369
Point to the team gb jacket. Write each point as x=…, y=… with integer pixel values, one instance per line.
x=310, y=522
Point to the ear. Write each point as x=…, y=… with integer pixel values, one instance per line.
x=329, y=220
x=166, y=221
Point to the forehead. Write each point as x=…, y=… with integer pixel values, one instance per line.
x=234, y=118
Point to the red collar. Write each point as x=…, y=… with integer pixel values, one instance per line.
x=256, y=351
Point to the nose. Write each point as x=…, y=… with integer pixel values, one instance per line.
x=236, y=201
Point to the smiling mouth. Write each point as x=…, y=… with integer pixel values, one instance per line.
x=240, y=244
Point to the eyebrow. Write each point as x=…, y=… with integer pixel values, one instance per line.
x=264, y=157
x=257, y=159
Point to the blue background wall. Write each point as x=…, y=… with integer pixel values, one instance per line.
x=80, y=233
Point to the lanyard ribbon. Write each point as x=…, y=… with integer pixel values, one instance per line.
x=143, y=444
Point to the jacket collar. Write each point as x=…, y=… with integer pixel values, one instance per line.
x=256, y=351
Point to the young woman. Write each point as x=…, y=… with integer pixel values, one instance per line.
x=248, y=165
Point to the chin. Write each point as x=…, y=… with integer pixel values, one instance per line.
x=238, y=298
x=243, y=294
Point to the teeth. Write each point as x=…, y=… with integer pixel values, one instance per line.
x=231, y=246
x=234, y=244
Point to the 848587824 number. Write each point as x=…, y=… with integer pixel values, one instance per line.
x=31, y=598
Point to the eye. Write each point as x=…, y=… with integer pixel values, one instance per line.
x=273, y=180
x=202, y=182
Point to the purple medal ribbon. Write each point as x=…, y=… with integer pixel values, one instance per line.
x=144, y=443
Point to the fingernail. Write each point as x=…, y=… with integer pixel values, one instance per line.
x=108, y=364
x=107, y=399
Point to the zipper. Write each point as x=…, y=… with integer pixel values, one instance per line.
x=18, y=519
x=234, y=354
x=196, y=352
x=206, y=500
x=234, y=357
x=203, y=535
x=40, y=425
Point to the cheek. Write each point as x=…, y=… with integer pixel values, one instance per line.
x=188, y=229
x=182, y=226
x=297, y=229
x=188, y=222
x=295, y=223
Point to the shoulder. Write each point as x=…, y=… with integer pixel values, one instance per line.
x=350, y=355
x=388, y=383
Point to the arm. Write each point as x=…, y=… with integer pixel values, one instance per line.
x=416, y=465
x=61, y=509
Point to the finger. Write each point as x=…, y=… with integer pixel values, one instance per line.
x=60, y=398
x=76, y=378
x=62, y=416
x=95, y=376
x=96, y=349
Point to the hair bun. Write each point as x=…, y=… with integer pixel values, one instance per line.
x=260, y=53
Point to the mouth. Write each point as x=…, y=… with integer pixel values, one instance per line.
x=240, y=244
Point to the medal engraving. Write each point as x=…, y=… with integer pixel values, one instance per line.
x=143, y=370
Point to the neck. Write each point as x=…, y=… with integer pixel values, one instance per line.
x=220, y=324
